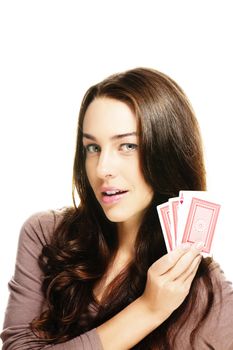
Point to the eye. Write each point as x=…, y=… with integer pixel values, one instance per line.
x=128, y=147
x=92, y=148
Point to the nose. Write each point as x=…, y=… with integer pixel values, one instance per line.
x=106, y=166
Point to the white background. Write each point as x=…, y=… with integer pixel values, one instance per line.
x=52, y=51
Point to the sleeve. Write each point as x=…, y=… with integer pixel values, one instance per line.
x=26, y=300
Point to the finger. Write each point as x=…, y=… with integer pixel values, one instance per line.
x=183, y=264
x=191, y=269
x=168, y=261
x=190, y=277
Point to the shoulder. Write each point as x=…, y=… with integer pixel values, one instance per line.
x=217, y=284
x=218, y=277
x=223, y=290
x=217, y=330
x=39, y=227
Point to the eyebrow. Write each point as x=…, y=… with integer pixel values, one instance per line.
x=115, y=137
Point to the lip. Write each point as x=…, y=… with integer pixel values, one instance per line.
x=108, y=188
x=114, y=198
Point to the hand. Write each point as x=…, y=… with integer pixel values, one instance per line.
x=169, y=279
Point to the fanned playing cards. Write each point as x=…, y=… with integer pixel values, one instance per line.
x=191, y=217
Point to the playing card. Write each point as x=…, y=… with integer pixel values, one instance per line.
x=191, y=217
x=201, y=222
x=173, y=212
x=165, y=221
x=185, y=195
x=185, y=198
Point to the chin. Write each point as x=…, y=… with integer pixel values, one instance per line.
x=116, y=217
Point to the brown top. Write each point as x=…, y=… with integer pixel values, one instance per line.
x=26, y=301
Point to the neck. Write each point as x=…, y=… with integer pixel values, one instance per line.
x=127, y=234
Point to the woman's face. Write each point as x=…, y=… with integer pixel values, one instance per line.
x=111, y=140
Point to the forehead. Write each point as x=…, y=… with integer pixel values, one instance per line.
x=109, y=115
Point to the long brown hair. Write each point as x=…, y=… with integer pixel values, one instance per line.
x=78, y=255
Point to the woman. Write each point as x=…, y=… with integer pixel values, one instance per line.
x=97, y=276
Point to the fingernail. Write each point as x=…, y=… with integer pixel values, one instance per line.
x=199, y=245
x=185, y=245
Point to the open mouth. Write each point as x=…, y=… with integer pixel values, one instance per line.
x=113, y=193
x=112, y=196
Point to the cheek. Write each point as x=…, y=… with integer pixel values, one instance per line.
x=90, y=166
x=145, y=190
x=89, y=171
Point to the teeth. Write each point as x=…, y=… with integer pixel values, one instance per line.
x=111, y=192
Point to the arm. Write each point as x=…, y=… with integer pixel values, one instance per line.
x=168, y=283
x=26, y=300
